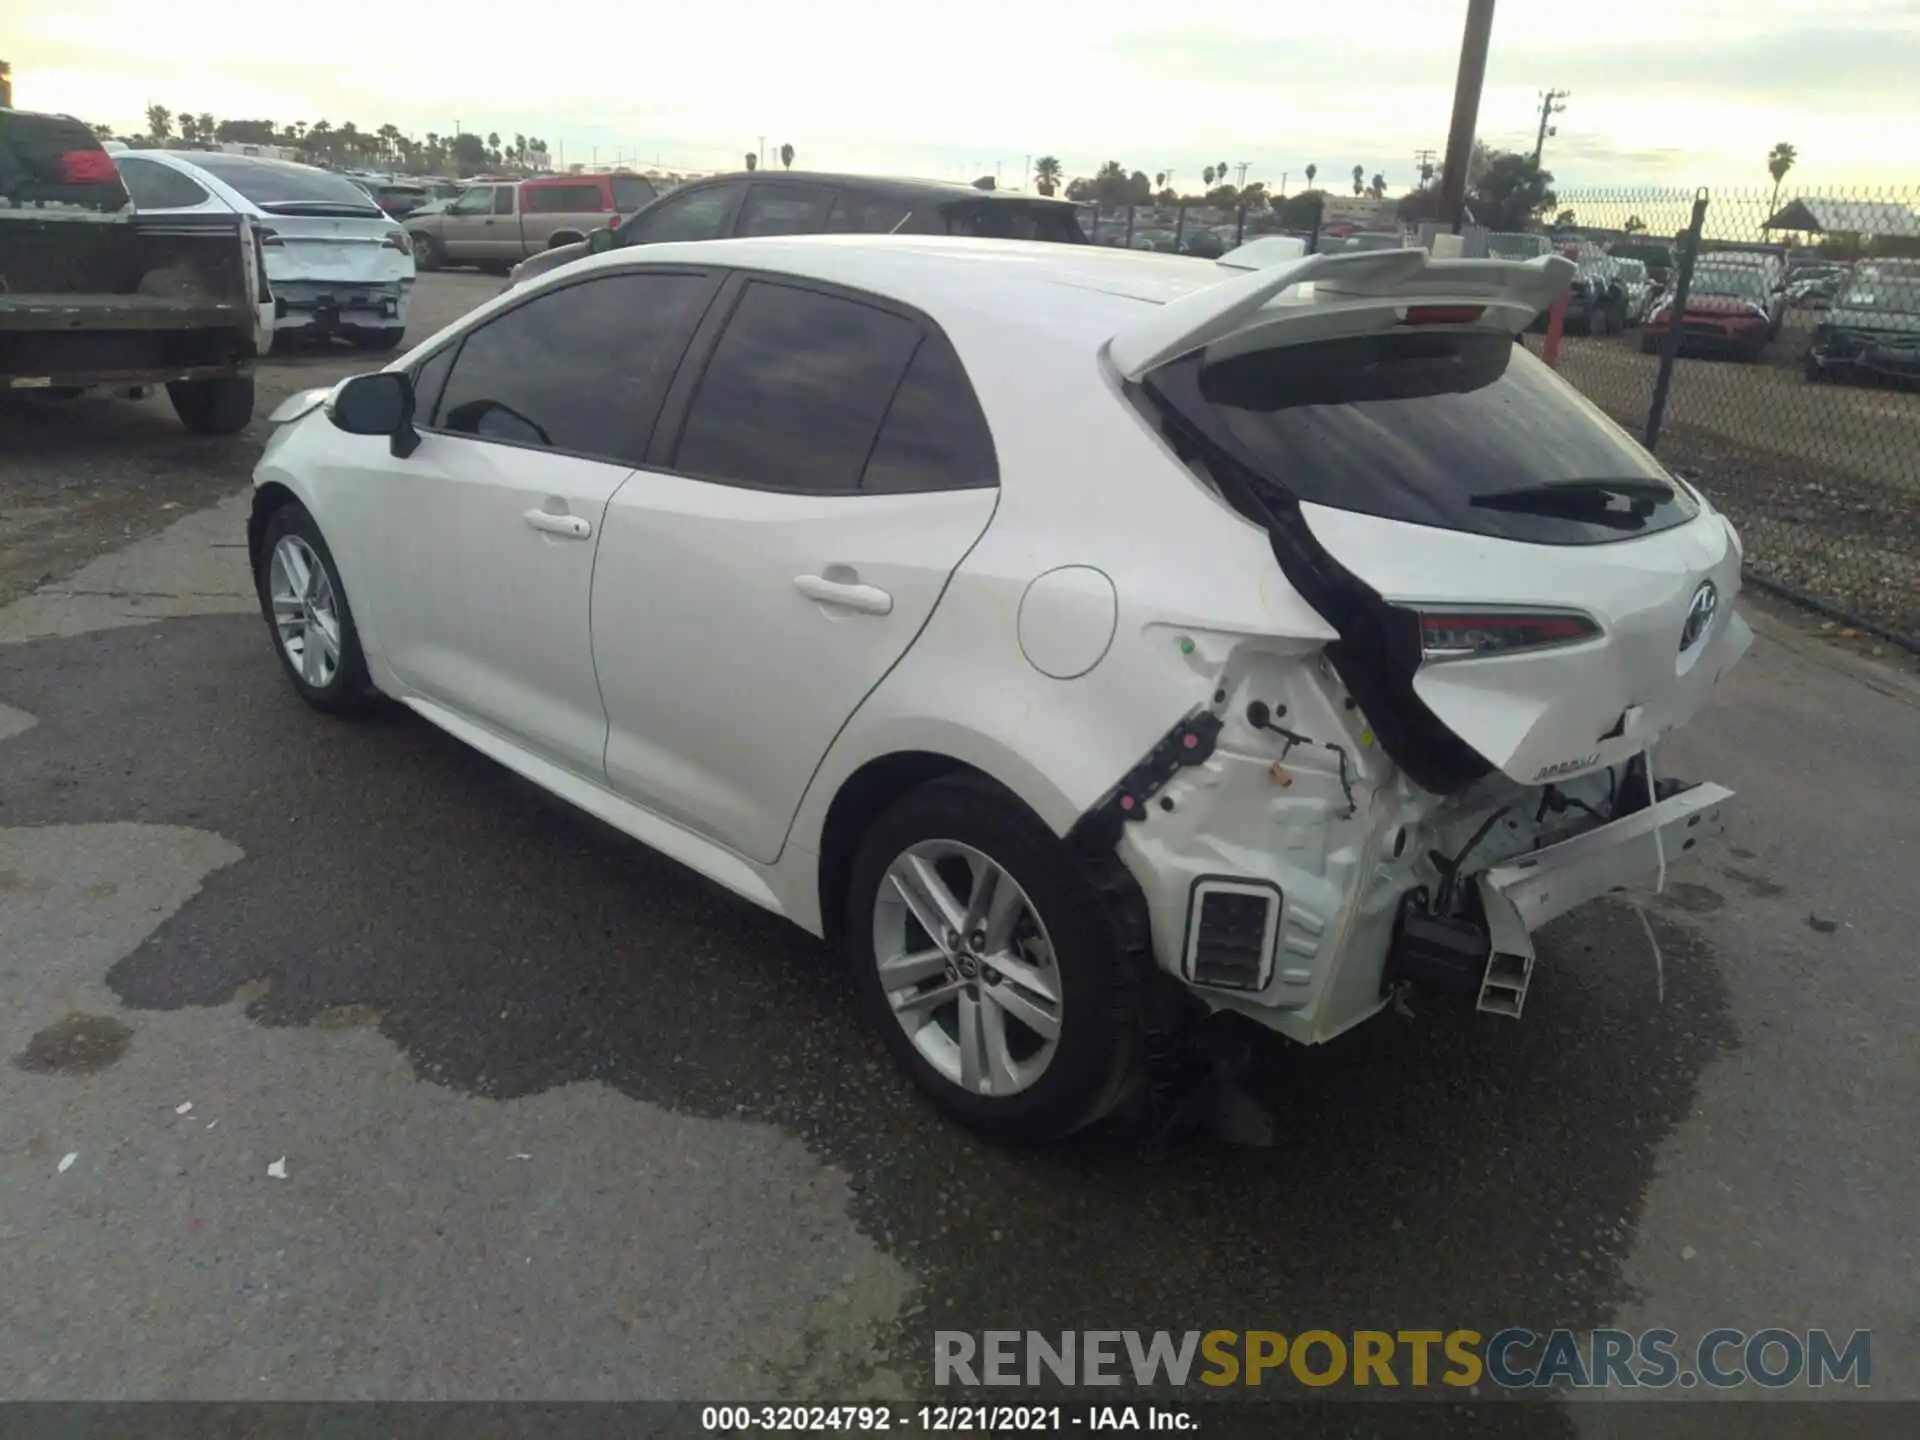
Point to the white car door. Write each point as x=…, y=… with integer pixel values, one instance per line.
x=487, y=532
x=809, y=492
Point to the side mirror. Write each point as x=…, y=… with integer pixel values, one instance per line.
x=378, y=404
x=600, y=241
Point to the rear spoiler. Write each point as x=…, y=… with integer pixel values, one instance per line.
x=1508, y=292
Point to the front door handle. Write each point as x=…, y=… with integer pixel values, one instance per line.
x=847, y=595
x=569, y=527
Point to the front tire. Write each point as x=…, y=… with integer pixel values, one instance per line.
x=985, y=957
x=220, y=406
x=307, y=613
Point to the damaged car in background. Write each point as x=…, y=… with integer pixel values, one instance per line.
x=1873, y=326
x=1089, y=643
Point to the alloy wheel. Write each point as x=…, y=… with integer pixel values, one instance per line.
x=968, y=968
x=306, y=614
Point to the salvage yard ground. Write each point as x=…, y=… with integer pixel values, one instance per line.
x=386, y=1076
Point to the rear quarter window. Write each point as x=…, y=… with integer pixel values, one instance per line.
x=1011, y=220
x=1460, y=430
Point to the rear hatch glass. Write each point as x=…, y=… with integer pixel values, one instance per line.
x=285, y=189
x=1014, y=220
x=56, y=160
x=1461, y=430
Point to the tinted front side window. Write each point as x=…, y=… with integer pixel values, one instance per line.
x=1463, y=431
x=935, y=437
x=155, y=187
x=630, y=192
x=783, y=210
x=795, y=391
x=697, y=215
x=580, y=369
x=503, y=200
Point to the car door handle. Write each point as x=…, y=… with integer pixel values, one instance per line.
x=848, y=595
x=570, y=527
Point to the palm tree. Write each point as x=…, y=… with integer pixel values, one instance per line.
x=1312, y=170
x=786, y=157
x=1378, y=185
x=189, y=127
x=159, y=121
x=1220, y=171
x=1359, y=178
x=753, y=161
x=1634, y=225
x=207, y=127
x=1160, y=180
x=1780, y=160
x=1207, y=176
x=102, y=132
x=1046, y=174
x=390, y=138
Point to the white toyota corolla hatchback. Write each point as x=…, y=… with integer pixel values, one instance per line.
x=1086, y=640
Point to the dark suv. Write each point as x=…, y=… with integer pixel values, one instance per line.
x=758, y=203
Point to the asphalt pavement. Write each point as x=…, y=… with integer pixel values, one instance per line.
x=385, y=1076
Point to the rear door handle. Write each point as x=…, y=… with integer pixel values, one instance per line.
x=847, y=595
x=569, y=527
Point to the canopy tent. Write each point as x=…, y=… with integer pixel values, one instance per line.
x=1818, y=216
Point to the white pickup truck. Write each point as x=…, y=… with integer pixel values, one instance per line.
x=93, y=294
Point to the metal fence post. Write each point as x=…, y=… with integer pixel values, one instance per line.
x=1179, y=225
x=1094, y=235
x=1130, y=209
x=1319, y=209
x=1677, y=310
x=1240, y=224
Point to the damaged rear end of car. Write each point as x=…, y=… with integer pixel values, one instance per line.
x=1524, y=605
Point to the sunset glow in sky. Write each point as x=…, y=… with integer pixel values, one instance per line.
x=1679, y=92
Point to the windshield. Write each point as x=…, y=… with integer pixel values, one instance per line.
x=271, y=183
x=1462, y=430
x=1883, y=285
x=1742, y=282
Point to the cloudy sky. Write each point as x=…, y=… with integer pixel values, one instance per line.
x=1667, y=92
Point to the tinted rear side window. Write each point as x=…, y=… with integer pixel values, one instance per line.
x=155, y=187
x=795, y=391
x=783, y=210
x=935, y=437
x=581, y=369
x=856, y=214
x=1010, y=220
x=272, y=182
x=562, y=199
x=1462, y=431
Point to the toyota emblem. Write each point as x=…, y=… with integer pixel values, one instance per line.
x=1700, y=613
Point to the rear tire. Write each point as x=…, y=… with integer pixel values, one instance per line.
x=1055, y=931
x=305, y=605
x=384, y=338
x=220, y=406
x=428, y=253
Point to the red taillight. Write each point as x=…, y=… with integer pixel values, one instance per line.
x=1464, y=634
x=1443, y=314
x=88, y=167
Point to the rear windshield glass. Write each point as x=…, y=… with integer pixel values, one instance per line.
x=269, y=183
x=1010, y=220
x=630, y=192
x=1457, y=430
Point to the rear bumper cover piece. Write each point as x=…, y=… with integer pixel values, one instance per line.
x=1526, y=892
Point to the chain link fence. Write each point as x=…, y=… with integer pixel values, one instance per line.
x=1768, y=347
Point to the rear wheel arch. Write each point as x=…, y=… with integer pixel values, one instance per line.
x=861, y=799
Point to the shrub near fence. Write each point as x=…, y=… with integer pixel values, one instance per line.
x=1818, y=464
